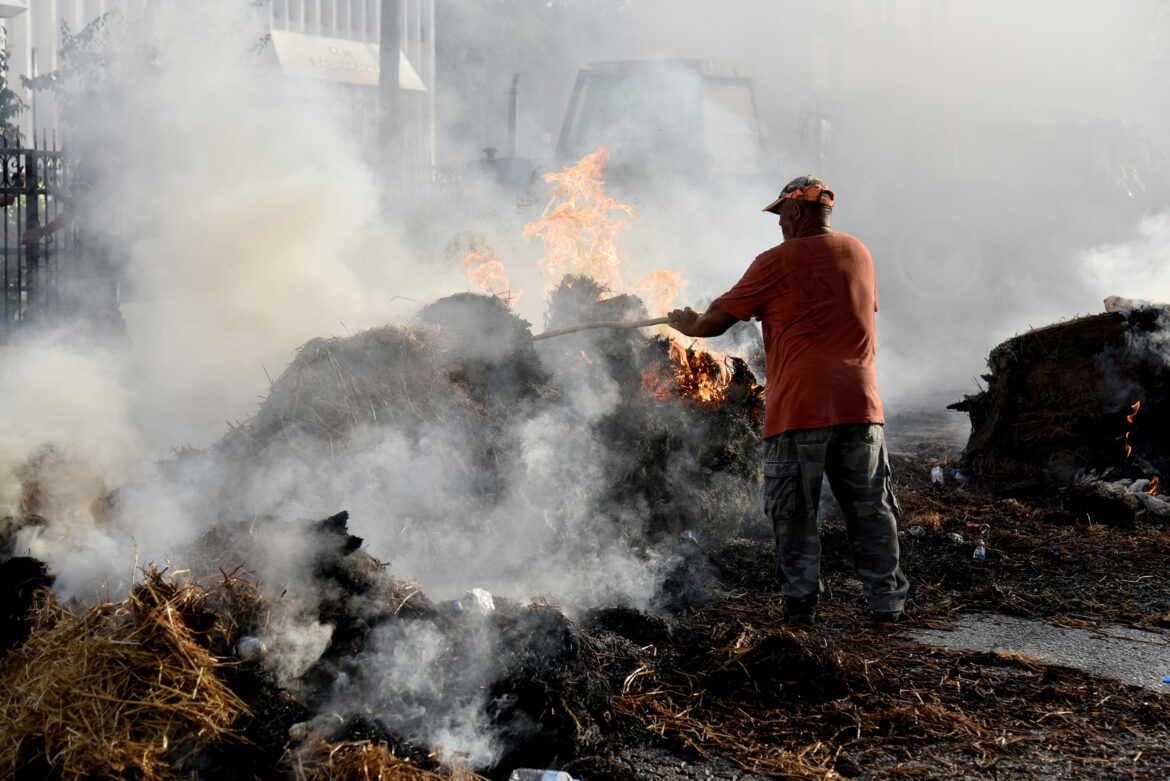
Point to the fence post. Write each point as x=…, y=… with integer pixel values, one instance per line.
x=32, y=251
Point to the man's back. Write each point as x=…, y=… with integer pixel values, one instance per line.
x=816, y=299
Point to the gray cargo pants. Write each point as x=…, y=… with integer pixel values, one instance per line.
x=854, y=458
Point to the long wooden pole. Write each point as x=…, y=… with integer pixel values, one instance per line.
x=603, y=324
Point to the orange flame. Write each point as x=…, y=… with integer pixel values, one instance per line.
x=1128, y=449
x=1153, y=489
x=483, y=267
x=578, y=235
x=1129, y=419
x=700, y=375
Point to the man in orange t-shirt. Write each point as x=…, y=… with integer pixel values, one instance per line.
x=815, y=297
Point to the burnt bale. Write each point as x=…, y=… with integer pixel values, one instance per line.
x=636, y=626
x=1087, y=395
x=550, y=701
x=21, y=579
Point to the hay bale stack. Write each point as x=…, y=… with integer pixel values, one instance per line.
x=376, y=377
x=468, y=355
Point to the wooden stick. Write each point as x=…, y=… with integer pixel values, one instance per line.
x=605, y=324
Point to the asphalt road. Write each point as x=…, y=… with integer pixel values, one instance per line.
x=1133, y=656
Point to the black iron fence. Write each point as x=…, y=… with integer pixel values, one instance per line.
x=38, y=244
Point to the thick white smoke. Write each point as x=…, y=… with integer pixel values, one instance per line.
x=1138, y=268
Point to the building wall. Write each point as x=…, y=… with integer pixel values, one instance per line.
x=33, y=32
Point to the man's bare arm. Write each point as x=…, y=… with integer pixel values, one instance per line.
x=715, y=321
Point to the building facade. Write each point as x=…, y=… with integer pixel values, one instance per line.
x=334, y=40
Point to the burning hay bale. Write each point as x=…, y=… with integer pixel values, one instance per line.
x=470, y=373
x=684, y=445
x=679, y=466
x=124, y=690
x=1085, y=396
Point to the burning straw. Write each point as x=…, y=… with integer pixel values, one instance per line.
x=117, y=691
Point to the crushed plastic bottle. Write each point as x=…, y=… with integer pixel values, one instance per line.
x=959, y=476
x=530, y=774
x=481, y=599
x=251, y=649
x=980, y=552
x=957, y=539
x=323, y=725
x=916, y=531
x=936, y=475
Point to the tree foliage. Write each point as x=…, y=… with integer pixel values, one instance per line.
x=11, y=104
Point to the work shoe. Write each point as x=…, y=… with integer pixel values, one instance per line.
x=800, y=610
x=887, y=616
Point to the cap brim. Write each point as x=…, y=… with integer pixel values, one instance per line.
x=774, y=206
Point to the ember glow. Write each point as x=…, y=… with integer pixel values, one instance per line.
x=695, y=375
x=701, y=375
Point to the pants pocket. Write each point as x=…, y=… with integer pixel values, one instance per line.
x=891, y=497
x=782, y=490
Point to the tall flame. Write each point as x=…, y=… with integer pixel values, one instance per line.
x=580, y=237
x=578, y=234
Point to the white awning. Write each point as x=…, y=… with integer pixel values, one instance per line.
x=11, y=8
x=337, y=59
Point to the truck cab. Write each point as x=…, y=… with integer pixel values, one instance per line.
x=665, y=118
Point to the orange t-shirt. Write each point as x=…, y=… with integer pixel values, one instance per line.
x=816, y=299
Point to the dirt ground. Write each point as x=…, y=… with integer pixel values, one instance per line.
x=863, y=701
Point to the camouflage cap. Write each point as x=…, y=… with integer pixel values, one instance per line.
x=803, y=188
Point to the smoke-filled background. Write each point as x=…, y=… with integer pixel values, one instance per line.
x=1006, y=164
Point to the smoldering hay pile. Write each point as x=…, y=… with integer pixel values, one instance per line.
x=1082, y=406
x=215, y=671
